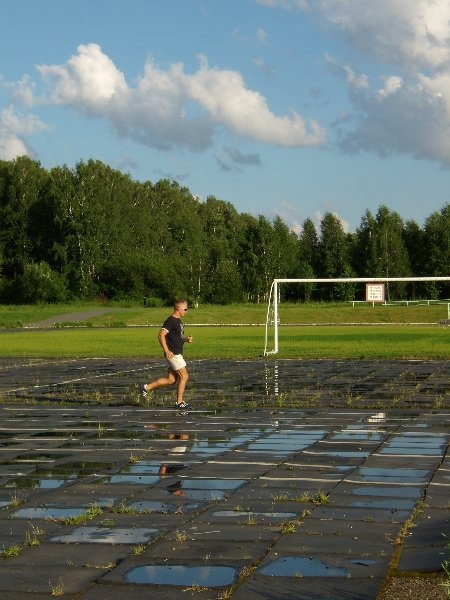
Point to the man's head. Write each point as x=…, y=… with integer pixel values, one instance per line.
x=181, y=306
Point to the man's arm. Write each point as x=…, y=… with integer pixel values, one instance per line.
x=162, y=340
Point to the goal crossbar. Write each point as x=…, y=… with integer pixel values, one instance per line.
x=273, y=296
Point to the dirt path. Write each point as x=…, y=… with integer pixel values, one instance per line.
x=75, y=317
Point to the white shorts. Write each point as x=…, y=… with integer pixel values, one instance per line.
x=177, y=362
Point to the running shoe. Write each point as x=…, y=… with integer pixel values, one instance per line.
x=183, y=405
x=143, y=392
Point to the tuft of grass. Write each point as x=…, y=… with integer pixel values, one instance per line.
x=91, y=512
x=57, y=589
x=138, y=550
x=13, y=550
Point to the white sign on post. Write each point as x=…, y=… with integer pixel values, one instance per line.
x=374, y=292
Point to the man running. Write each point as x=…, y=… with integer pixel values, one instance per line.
x=171, y=337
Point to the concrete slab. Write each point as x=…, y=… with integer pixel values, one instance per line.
x=229, y=486
x=259, y=587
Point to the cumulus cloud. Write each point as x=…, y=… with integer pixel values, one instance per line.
x=168, y=108
x=411, y=34
x=13, y=129
x=406, y=110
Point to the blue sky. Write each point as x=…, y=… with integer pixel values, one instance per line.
x=282, y=107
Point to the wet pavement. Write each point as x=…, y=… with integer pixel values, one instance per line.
x=289, y=479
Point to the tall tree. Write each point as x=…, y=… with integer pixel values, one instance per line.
x=22, y=183
x=413, y=237
x=392, y=254
x=308, y=246
x=334, y=252
x=365, y=255
x=436, y=249
x=223, y=231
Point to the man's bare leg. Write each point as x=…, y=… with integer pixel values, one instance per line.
x=183, y=377
x=162, y=381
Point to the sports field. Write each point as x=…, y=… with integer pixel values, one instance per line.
x=317, y=332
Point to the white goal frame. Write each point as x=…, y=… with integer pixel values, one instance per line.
x=273, y=297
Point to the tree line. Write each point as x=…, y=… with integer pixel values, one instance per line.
x=93, y=232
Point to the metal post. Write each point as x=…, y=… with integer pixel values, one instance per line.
x=275, y=316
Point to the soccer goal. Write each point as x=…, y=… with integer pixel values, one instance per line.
x=374, y=293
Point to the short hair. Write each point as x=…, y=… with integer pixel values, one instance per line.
x=178, y=302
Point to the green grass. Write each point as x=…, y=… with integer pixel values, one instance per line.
x=234, y=342
x=311, y=313
x=131, y=332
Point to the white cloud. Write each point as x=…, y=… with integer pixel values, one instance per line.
x=169, y=108
x=409, y=112
x=13, y=129
x=228, y=101
x=89, y=78
x=408, y=118
x=391, y=86
x=413, y=33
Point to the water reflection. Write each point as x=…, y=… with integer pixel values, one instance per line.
x=98, y=535
x=297, y=566
x=204, y=489
x=379, y=417
x=214, y=576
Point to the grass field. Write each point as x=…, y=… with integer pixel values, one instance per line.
x=238, y=331
x=289, y=313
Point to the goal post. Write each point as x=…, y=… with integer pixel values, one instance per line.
x=272, y=307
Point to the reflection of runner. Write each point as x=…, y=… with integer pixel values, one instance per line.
x=175, y=489
x=178, y=436
x=165, y=470
x=172, y=338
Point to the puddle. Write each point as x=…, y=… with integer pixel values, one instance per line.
x=206, y=449
x=356, y=436
x=410, y=450
x=132, y=479
x=393, y=504
x=34, y=483
x=212, y=484
x=182, y=575
x=242, y=513
x=365, y=562
x=377, y=418
x=414, y=444
x=393, y=475
x=156, y=468
x=394, y=492
x=158, y=507
x=98, y=535
x=297, y=566
x=343, y=453
x=78, y=469
x=167, y=508
x=176, y=489
x=48, y=513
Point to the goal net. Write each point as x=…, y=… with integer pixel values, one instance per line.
x=374, y=293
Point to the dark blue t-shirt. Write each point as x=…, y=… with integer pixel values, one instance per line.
x=175, y=334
